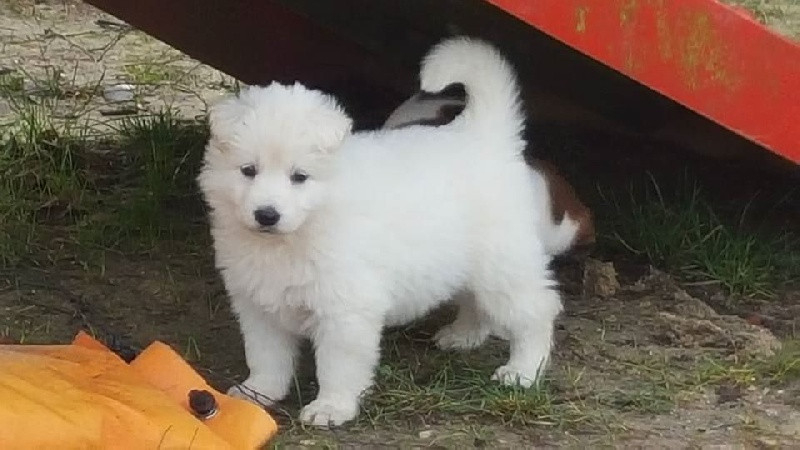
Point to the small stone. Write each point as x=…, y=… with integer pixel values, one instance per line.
x=427, y=434
x=121, y=110
x=766, y=443
x=119, y=93
x=308, y=442
x=29, y=87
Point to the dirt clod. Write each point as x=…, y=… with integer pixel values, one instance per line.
x=717, y=331
x=729, y=392
x=599, y=279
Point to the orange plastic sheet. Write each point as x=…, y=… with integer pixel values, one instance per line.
x=83, y=396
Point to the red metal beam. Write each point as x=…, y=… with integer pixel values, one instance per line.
x=713, y=59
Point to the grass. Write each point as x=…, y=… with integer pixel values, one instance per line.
x=780, y=369
x=151, y=72
x=50, y=85
x=54, y=180
x=156, y=69
x=457, y=389
x=152, y=201
x=42, y=176
x=165, y=154
x=11, y=83
x=681, y=232
x=416, y=384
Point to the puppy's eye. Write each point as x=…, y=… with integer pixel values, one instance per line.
x=298, y=177
x=248, y=170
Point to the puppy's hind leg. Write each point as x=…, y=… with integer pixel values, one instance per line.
x=270, y=351
x=523, y=308
x=531, y=337
x=469, y=330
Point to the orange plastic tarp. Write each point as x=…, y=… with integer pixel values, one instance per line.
x=83, y=396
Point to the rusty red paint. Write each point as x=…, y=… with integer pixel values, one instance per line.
x=713, y=59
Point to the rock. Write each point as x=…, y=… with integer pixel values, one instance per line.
x=766, y=443
x=29, y=87
x=427, y=434
x=120, y=110
x=119, y=93
x=599, y=279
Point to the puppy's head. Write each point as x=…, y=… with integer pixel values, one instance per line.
x=265, y=162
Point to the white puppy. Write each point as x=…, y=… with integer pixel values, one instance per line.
x=331, y=236
x=565, y=222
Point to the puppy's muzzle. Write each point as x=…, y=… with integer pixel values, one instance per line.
x=267, y=217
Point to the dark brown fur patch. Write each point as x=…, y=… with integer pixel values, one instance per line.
x=564, y=201
x=445, y=115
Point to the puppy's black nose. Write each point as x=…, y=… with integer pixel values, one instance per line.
x=267, y=217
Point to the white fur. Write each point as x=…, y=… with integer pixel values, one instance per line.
x=557, y=236
x=389, y=225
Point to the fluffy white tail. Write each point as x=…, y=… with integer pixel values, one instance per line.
x=493, y=100
x=558, y=238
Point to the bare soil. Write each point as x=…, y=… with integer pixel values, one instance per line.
x=640, y=362
x=782, y=16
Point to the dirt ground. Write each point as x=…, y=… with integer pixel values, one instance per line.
x=640, y=361
x=783, y=16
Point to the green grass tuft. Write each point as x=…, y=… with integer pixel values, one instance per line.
x=163, y=156
x=427, y=385
x=41, y=177
x=682, y=233
x=784, y=366
x=155, y=70
x=455, y=388
x=57, y=179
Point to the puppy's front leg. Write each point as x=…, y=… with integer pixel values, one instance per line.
x=347, y=351
x=270, y=351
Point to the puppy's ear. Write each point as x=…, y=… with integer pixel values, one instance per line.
x=328, y=121
x=331, y=128
x=224, y=114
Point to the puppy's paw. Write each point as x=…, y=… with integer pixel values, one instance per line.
x=327, y=413
x=455, y=337
x=244, y=392
x=256, y=392
x=515, y=376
